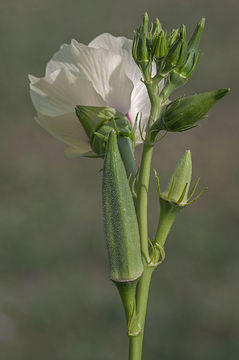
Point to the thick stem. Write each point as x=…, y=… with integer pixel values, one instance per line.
x=168, y=213
x=136, y=342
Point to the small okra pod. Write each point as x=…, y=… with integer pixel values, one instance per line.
x=120, y=221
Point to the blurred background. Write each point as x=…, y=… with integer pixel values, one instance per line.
x=56, y=301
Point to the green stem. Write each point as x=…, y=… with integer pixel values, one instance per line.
x=136, y=342
x=142, y=199
x=168, y=213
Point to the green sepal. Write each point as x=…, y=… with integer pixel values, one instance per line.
x=98, y=122
x=120, y=221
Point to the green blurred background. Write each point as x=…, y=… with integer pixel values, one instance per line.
x=56, y=302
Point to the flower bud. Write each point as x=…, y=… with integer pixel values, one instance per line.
x=181, y=74
x=155, y=30
x=179, y=183
x=120, y=221
x=183, y=113
x=177, y=53
x=141, y=49
x=193, y=43
x=172, y=37
x=98, y=122
x=160, y=46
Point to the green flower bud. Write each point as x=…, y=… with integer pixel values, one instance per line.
x=160, y=46
x=156, y=29
x=120, y=221
x=183, y=113
x=177, y=53
x=141, y=49
x=181, y=74
x=193, y=43
x=174, y=199
x=172, y=37
x=179, y=183
x=98, y=122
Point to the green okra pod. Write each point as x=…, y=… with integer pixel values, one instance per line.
x=120, y=221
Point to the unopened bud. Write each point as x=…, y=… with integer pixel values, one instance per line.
x=160, y=46
x=193, y=43
x=177, y=54
x=172, y=37
x=179, y=183
x=183, y=113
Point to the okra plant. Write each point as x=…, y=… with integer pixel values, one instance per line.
x=103, y=100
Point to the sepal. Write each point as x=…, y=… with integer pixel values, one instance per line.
x=98, y=122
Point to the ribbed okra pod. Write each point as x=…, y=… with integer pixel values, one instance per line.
x=120, y=222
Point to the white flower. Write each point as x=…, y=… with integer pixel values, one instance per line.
x=100, y=74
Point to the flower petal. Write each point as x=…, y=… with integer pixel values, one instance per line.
x=67, y=57
x=66, y=128
x=139, y=103
x=97, y=65
x=112, y=43
x=121, y=88
x=123, y=46
x=61, y=91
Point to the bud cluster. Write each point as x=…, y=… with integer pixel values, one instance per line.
x=174, y=57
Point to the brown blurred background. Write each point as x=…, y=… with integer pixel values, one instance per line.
x=56, y=302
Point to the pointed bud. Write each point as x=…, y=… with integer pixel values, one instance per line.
x=141, y=50
x=160, y=46
x=156, y=29
x=98, y=122
x=196, y=36
x=180, y=75
x=178, y=186
x=177, y=53
x=172, y=37
x=183, y=113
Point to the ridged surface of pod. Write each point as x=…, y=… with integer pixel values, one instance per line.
x=120, y=222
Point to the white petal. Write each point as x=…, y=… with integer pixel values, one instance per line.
x=121, y=88
x=97, y=65
x=67, y=57
x=139, y=103
x=66, y=128
x=61, y=91
x=112, y=43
